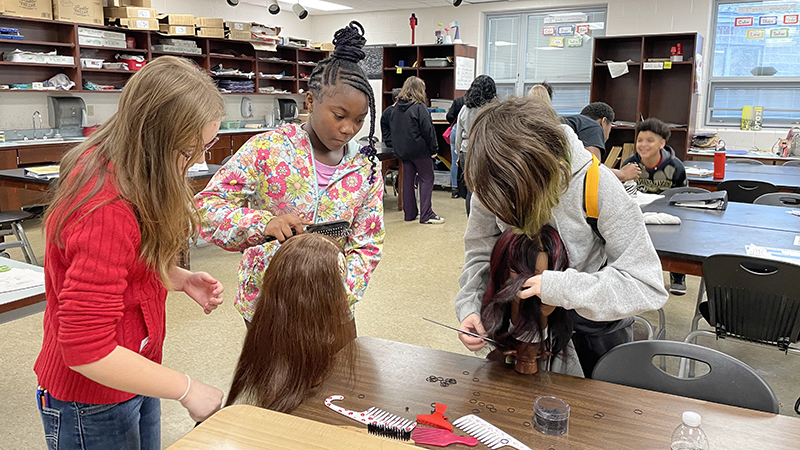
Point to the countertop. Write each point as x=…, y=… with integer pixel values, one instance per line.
x=75, y=140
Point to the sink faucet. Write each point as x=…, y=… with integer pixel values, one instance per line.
x=35, y=114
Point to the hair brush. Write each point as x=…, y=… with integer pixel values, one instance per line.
x=336, y=229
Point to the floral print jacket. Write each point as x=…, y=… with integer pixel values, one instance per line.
x=274, y=173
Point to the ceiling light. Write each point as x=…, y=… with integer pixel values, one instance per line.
x=300, y=11
x=273, y=7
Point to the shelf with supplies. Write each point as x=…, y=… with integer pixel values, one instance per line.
x=41, y=34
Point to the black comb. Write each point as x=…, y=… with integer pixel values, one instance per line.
x=336, y=229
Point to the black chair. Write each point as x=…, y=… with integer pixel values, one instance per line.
x=795, y=162
x=786, y=199
x=729, y=381
x=752, y=299
x=11, y=223
x=743, y=191
x=746, y=161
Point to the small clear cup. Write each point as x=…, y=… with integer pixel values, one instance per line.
x=551, y=416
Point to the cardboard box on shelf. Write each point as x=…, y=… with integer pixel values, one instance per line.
x=106, y=34
x=326, y=46
x=176, y=30
x=211, y=32
x=238, y=26
x=2, y=7
x=136, y=24
x=236, y=35
x=37, y=9
x=139, y=3
x=208, y=22
x=79, y=11
x=129, y=12
x=176, y=19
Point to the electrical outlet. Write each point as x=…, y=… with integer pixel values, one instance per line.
x=90, y=110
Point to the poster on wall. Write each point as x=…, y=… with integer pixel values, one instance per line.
x=556, y=42
x=574, y=41
x=744, y=21
x=566, y=30
x=566, y=18
x=768, y=20
x=549, y=31
x=790, y=19
x=373, y=61
x=583, y=29
x=755, y=34
x=465, y=72
x=779, y=33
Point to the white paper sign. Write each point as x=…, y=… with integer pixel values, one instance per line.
x=144, y=13
x=238, y=26
x=180, y=30
x=142, y=24
x=566, y=18
x=465, y=72
x=797, y=241
x=653, y=66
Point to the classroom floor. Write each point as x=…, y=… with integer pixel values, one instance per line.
x=417, y=277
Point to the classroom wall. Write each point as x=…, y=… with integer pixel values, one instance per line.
x=625, y=17
x=16, y=109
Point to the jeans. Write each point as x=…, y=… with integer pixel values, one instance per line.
x=131, y=425
x=453, y=158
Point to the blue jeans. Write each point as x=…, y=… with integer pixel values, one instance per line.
x=131, y=425
x=453, y=158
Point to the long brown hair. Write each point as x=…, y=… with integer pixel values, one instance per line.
x=517, y=162
x=162, y=112
x=413, y=91
x=301, y=320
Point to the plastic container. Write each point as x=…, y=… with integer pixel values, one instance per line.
x=436, y=62
x=91, y=63
x=551, y=416
x=689, y=435
x=133, y=64
x=719, y=161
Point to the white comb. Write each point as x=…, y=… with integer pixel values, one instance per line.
x=487, y=433
x=372, y=416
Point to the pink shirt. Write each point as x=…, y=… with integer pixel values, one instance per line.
x=324, y=174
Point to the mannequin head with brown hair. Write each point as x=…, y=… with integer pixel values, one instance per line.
x=301, y=321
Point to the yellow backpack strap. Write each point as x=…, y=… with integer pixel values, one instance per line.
x=591, y=188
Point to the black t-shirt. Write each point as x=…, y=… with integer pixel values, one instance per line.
x=589, y=131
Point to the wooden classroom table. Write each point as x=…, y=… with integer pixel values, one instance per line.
x=392, y=376
x=18, y=304
x=785, y=178
x=386, y=156
x=702, y=233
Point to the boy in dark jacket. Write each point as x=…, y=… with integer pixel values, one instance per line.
x=661, y=170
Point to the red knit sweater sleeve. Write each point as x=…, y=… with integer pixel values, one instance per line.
x=100, y=249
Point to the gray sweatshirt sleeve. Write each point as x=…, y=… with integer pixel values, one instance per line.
x=482, y=232
x=632, y=280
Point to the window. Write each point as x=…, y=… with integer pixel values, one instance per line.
x=556, y=46
x=755, y=61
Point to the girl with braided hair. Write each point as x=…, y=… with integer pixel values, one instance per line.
x=300, y=174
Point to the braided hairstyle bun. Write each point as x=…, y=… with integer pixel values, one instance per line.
x=342, y=67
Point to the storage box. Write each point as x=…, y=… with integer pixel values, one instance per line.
x=38, y=9
x=236, y=35
x=208, y=22
x=114, y=43
x=176, y=19
x=90, y=40
x=211, y=32
x=177, y=49
x=137, y=24
x=82, y=31
x=133, y=64
x=435, y=62
x=179, y=43
x=91, y=63
x=139, y=3
x=238, y=26
x=79, y=11
x=127, y=12
x=325, y=46
x=25, y=57
x=176, y=30
x=60, y=59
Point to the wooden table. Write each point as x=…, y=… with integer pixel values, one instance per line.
x=786, y=178
x=392, y=376
x=18, y=304
x=387, y=157
x=702, y=233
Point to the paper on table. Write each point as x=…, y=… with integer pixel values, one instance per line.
x=199, y=167
x=698, y=172
x=643, y=199
x=16, y=279
x=780, y=254
x=797, y=241
x=794, y=212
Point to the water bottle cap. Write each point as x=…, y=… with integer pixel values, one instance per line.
x=691, y=419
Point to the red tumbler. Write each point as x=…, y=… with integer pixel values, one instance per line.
x=719, y=163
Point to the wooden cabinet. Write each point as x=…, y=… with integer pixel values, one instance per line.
x=667, y=92
x=220, y=150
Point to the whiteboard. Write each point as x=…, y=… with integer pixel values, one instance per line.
x=465, y=72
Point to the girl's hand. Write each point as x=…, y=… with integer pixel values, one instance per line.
x=434, y=155
x=285, y=226
x=205, y=290
x=472, y=323
x=202, y=401
x=532, y=287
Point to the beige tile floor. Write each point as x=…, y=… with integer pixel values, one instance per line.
x=417, y=277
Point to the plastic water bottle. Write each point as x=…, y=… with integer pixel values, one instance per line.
x=689, y=435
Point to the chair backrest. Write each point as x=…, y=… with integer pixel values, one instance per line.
x=786, y=199
x=729, y=381
x=226, y=159
x=794, y=162
x=744, y=191
x=753, y=299
x=681, y=190
x=751, y=162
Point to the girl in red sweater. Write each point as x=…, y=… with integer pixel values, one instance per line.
x=120, y=217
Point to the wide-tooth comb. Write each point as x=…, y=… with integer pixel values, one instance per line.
x=436, y=419
x=487, y=433
x=440, y=438
x=373, y=416
x=336, y=229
